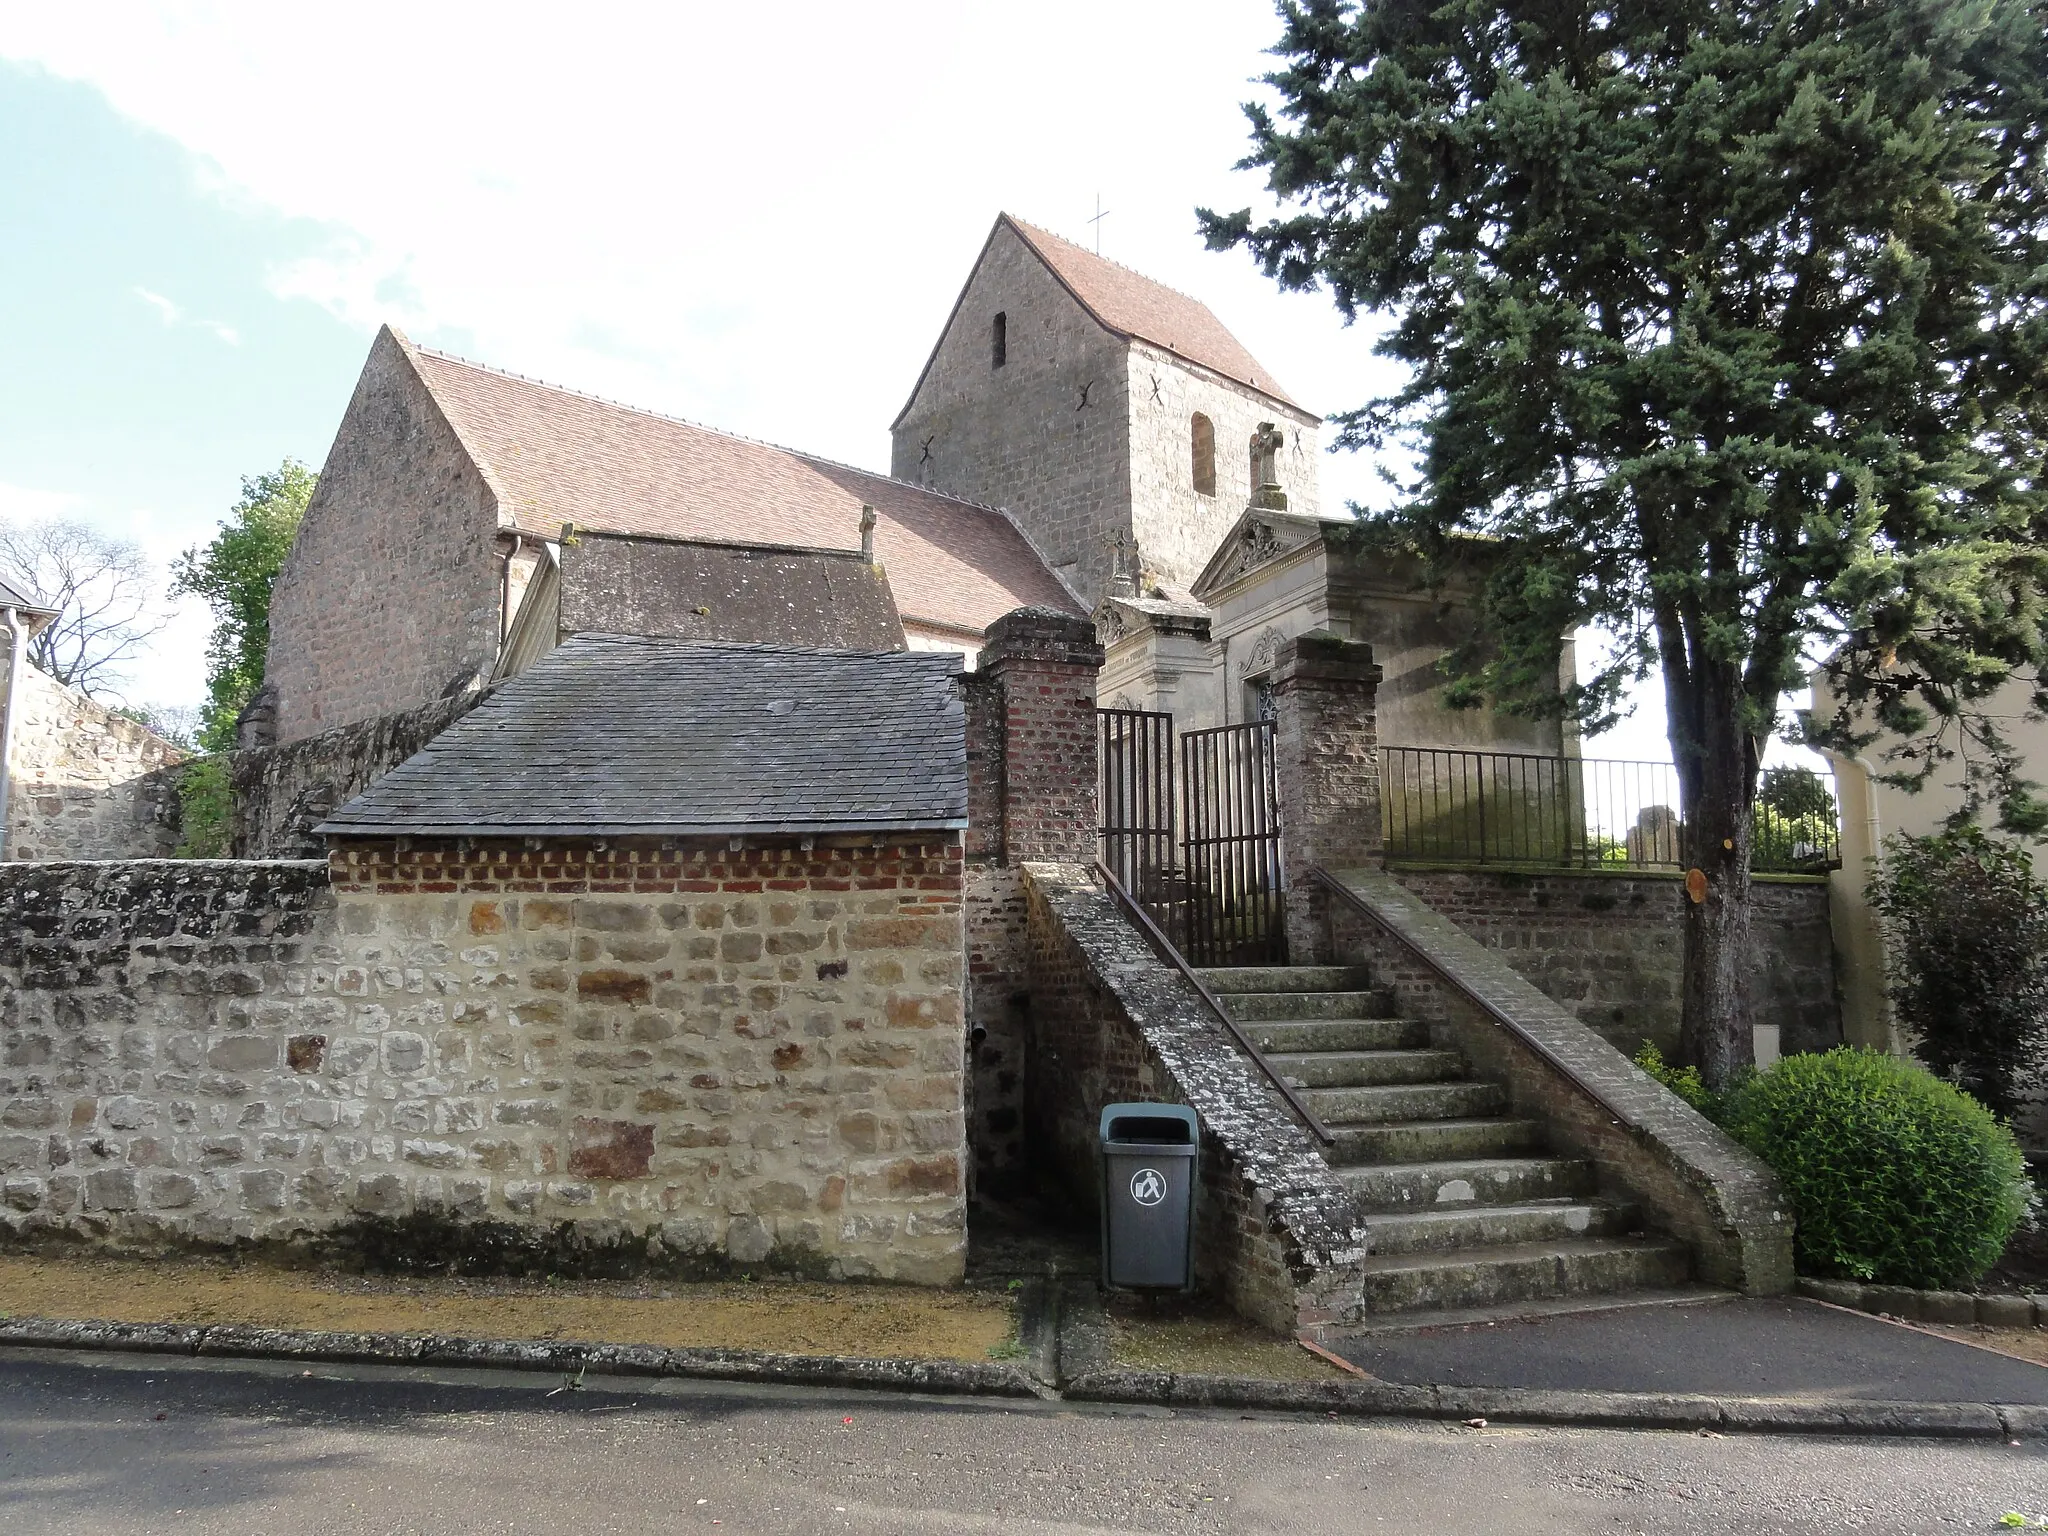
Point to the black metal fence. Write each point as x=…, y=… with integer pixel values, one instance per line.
x=1198, y=850
x=1461, y=807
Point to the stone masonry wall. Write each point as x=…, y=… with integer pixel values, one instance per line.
x=88, y=783
x=389, y=598
x=1177, y=528
x=747, y=1058
x=1019, y=436
x=1611, y=948
x=281, y=793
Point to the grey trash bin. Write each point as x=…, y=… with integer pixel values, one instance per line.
x=1149, y=1157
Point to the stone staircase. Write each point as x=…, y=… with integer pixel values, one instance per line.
x=1469, y=1215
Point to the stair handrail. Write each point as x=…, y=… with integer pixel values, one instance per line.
x=1166, y=950
x=1499, y=1015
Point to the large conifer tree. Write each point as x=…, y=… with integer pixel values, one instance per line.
x=1730, y=319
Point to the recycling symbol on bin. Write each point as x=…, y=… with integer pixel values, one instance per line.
x=1148, y=1186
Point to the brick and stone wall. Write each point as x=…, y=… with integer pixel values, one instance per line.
x=1031, y=795
x=1611, y=948
x=729, y=1057
x=87, y=783
x=389, y=599
x=281, y=793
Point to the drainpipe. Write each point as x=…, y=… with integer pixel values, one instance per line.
x=17, y=642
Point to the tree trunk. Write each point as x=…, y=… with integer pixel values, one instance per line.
x=1715, y=1033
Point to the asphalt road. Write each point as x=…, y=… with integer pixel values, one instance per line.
x=115, y=1445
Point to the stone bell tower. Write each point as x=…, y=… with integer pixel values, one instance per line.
x=1106, y=412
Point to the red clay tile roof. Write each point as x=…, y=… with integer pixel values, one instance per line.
x=1132, y=304
x=562, y=458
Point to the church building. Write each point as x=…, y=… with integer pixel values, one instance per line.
x=1081, y=438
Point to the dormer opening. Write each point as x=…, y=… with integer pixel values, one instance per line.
x=999, y=340
x=1203, y=441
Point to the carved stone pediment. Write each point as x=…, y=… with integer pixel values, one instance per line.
x=1119, y=618
x=1256, y=541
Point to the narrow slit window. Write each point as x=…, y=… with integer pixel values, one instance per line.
x=999, y=340
x=1204, y=444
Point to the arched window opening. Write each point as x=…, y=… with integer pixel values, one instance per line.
x=999, y=340
x=1205, y=455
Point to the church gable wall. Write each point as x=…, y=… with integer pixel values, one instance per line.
x=1019, y=436
x=389, y=597
x=1178, y=528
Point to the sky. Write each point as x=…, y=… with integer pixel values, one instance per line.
x=206, y=210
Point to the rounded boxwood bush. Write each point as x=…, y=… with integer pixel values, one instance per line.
x=1894, y=1175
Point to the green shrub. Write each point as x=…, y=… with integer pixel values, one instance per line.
x=1894, y=1175
x=205, y=809
x=1686, y=1082
x=1969, y=959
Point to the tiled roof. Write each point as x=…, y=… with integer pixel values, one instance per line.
x=12, y=596
x=612, y=735
x=1133, y=304
x=562, y=458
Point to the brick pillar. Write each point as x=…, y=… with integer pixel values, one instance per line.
x=1326, y=730
x=1041, y=664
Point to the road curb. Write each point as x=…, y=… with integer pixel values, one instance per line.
x=1606, y=1410
x=1098, y=1384
x=237, y=1340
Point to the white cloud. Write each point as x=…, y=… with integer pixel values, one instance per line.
x=174, y=314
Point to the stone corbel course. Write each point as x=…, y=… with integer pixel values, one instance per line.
x=1687, y=1172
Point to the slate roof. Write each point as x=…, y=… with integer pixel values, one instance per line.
x=13, y=596
x=1132, y=304
x=561, y=457
x=615, y=735
x=699, y=589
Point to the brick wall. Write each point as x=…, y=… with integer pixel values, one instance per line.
x=281, y=793
x=389, y=598
x=88, y=783
x=1326, y=740
x=1031, y=795
x=1611, y=948
x=744, y=1057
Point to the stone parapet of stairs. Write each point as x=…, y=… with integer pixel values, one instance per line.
x=1687, y=1176
x=1278, y=1231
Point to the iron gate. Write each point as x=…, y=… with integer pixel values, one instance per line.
x=1204, y=863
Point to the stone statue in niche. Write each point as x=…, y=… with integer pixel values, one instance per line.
x=1266, y=445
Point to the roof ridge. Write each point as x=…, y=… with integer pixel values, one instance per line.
x=699, y=426
x=684, y=642
x=1053, y=234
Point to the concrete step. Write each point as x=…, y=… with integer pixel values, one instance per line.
x=1291, y=1035
x=1463, y=1182
x=1358, y=1069
x=1460, y=1229
x=1285, y=978
x=1247, y=1006
x=1427, y=1141
x=1520, y=1272
x=1405, y=1101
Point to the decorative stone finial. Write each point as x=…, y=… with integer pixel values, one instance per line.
x=1266, y=490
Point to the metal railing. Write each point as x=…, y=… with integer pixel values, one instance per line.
x=1454, y=806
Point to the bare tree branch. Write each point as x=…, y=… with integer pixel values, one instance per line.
x=103, y=590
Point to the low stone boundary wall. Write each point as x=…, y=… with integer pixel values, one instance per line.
x=282, y=792
x=1275, y=1230
x=1961, y=1308
x=1690, y=1177
x=1611, y=947
x=708, y=1056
